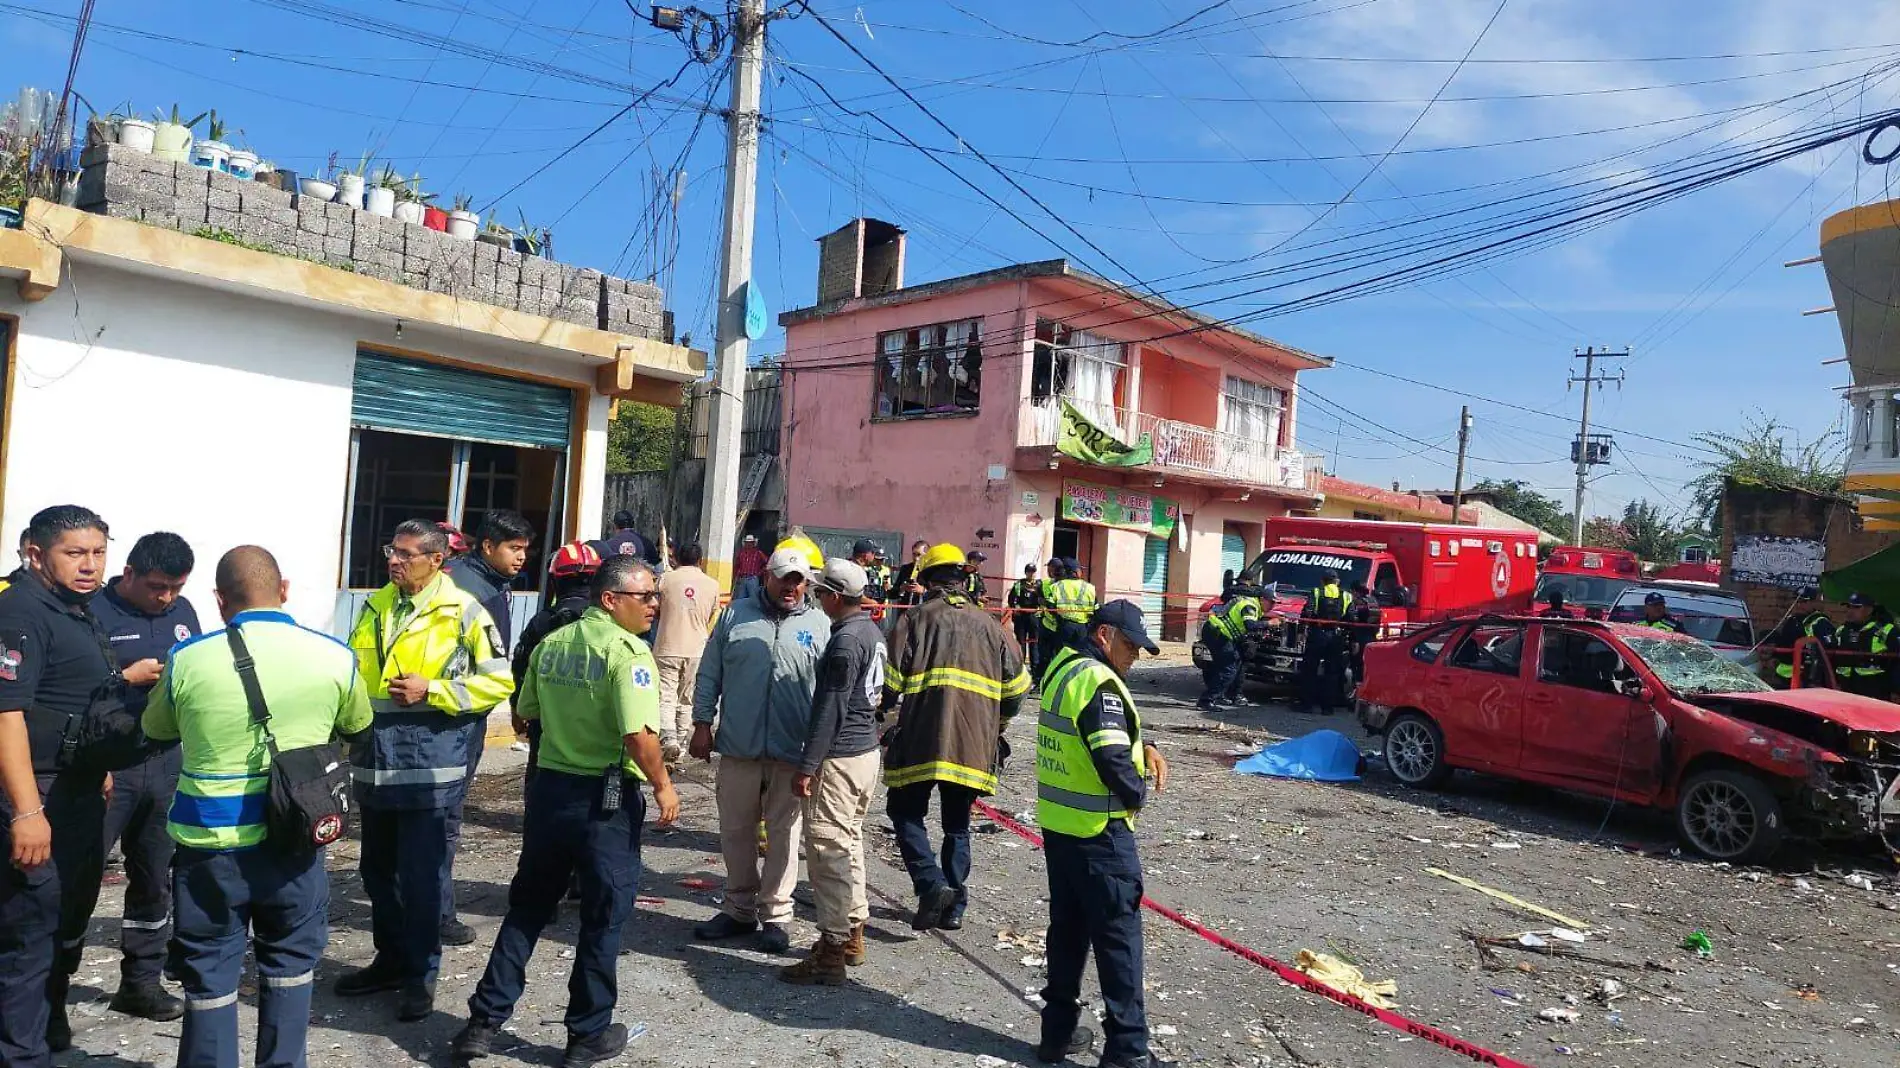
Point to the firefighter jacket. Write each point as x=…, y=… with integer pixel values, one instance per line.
x=417, y=755
x=1230, y=620
x=955, y=679
x=1873, y=636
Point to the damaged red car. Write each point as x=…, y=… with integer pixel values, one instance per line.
x=1642, y=716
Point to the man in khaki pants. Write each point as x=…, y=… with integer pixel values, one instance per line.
x=838, y=774
x=756, y=680
x=689, y=599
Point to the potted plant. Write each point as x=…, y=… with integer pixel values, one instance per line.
x=380, y=198
x=319, y=189
x=351, y=183
x=532, y=240
x=14, y=160
x=412, y=204
x=130, y=130
x=243, y=160
x=463, y=222
x=171, y=135
x=213, y=153
x=496, y=234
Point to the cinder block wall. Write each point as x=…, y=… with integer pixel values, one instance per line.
x=127, y=184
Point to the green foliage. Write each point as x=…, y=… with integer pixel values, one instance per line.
x=1517, y=498
x=641, y=438
x=1761, y=454
x=177, y=116
x=15, y=164
x=226, y=237
x=1650, y=534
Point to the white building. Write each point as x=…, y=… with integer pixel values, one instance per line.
x=171, y=382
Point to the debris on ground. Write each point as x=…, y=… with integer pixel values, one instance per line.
x=1341, y=976
x=1508, y=899
x=1859, y=881
x=1562, y=1016
x=1700, y=942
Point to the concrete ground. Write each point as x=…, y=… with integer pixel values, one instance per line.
x=1806, y=968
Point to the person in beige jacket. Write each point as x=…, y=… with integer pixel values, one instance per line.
x=689, y=602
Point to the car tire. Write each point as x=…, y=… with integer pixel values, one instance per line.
x=1729, y=815
x=1415, y=751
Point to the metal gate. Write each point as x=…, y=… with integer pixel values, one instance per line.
x=1154, y=583
x=1233, y=552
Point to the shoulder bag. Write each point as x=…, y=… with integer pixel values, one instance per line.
x=308, y=803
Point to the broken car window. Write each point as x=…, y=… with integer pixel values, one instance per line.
x=1688, y=666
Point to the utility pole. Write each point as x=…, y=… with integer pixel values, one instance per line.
x=718, y=521
x=1584, y=451
x=1458, y=480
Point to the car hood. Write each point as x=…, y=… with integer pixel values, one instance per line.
x=1852, y=711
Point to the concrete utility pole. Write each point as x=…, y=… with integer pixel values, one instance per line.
x=1458, y=480
x=1589, y=356
x=718, y=521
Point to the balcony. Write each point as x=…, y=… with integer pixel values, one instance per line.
x=1186, y=450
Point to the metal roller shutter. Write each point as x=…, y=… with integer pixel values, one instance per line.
x=414, y=397
x=1154, y=583
x=1233, y=552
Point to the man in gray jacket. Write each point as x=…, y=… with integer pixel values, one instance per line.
x=838, y=774
x=756, y=679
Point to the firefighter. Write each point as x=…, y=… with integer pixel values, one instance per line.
x=1323, y=664
x=1868, y=631
x=570, y=576
x=955, y=680
x=1656, y=614
x=1225, y=626
x=1025, y=597
x=1804, y=620
x=1363, y=622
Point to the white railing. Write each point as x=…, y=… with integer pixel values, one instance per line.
x=1188, y=448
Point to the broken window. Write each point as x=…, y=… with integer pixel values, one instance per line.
x=930, y=370
x=1089, y=369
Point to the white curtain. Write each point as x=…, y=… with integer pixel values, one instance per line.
x=1251, y=412
x=1095, y=366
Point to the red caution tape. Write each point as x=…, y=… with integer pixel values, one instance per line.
x=1293, y=976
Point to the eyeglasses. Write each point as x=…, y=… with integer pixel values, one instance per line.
x=646, y=597
x=390, y=552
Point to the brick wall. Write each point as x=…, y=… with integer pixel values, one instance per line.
x=126, y=184
x=1791, y=513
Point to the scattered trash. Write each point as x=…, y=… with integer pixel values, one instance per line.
x=1199, y=836
x=1609, y=990
x=1564, y=934
x=1341, y=976
x=1033, y=961
x=1859, y=881
x=1535, y=941
x=1509, y=997
x=1507, y=845
x=1699, y=942
x=1614, y=1018
x=1566, y=1051
x=652, y=902
x=984, y=1060
x=1508, y=898
x=697, y=883
x=1420, y=841
x=1562, y=1016
x=1166, y=1030
x=1806, y=992
x=1322, y=756
x=1802, y=886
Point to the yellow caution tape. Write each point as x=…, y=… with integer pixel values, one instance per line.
x=1508, y=899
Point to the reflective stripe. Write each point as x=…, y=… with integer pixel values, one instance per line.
x=1112, y=736
x=288, y=980
x=1059, y=723
x=490, y=667
x=469, y=611
x=1017, y=686
x=146, y=925
x=464, y=701
x=205, y=1004
x=409, y=776
x=942, y=770
x=1083, y=802
x=952, y=678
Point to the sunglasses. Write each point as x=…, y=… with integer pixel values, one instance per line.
x=646, y=597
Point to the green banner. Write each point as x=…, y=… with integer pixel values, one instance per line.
x=1106, y=506
x=1085, y=441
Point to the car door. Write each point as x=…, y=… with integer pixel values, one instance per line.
x=1579, y=729
x=1473, y=693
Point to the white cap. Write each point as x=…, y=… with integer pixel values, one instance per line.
x=789, y=562
x=843, y=577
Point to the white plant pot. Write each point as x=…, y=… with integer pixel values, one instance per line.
x=462, y=225
x=211, y=155
x=380, y=201
x=243, y=164
x=171, y=141
x=349, y=190
x=137, y=134
x=264, y=166
x=316, y=189
x=409, y=211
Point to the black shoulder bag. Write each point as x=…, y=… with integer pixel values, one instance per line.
x=308, y=804
x=107, y=736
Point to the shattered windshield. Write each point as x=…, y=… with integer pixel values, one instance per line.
x=1692, y=667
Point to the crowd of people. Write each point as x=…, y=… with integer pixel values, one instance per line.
x=216, y=760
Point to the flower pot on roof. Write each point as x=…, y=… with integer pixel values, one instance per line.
x=171, y=135
x=135, y=133
x=531, y=240
x=320, y=189
x=351, y=184
x=243, y=163
x=412, y=204
x=213, y=153
x=462, y=222
x=435, y=218
x=496, y=234
x=380, y=197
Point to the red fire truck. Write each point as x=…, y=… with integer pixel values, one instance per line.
x=1421, y=573
x=1589, y=578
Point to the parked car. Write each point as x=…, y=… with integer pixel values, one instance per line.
x=1705, y=612
x=1642, y=716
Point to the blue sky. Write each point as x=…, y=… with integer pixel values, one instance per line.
x=1234, y=138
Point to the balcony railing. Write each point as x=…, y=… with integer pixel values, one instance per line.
x=1190, y=449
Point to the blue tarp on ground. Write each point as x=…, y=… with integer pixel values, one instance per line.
x=1323, y=756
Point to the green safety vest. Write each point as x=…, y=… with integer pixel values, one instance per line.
x=1784, y=666
x=1230, y=620
x=1071, y=797
x=1068, y=599
x=1877, y=635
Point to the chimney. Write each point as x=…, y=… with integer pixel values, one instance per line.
x=862, y=258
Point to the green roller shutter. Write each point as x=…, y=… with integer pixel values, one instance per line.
x=414, y=397
x=1154, y=583
x=1233, y=552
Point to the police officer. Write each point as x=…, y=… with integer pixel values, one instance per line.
x=1869, y=633
x=1092, y=767
x=1656, y=614
x=973, y=583
x=1048, y=624
x=594, y=687
x=227, y=870
x=144, y=614
x=1323, y=663
x=1804, y=620
x=1070, y=599
x=52, y=662
x=1364, y=619
x=1221, y=632
x=435, y=666
x=869, y=555
x=1025, y=597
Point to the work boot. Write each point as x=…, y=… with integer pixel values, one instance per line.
x=722, y=927
x=1081, y=1040
x=854, y=946
x=1146, y=1060
x=473, y=1043
x=823, y=967
x=603, y=1045
x=456, y=933
x=931, y=906
x=147, y=1001
x=415, y=1002
x=952, y=919
x=774, y=939
x=374, y=979
x=59, y=1033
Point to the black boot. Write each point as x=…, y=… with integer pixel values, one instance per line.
x=473, y=1043
x=457, y=933
x=374, y=979
x=416, y=1001
x=59, y=1033
x=147, y=1001
x=603, y=1045
x=1081, y=1040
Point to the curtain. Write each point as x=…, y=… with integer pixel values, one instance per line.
x=1095, y=367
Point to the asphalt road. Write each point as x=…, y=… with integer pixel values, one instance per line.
x=1805, y=971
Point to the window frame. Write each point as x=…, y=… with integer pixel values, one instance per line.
x=1471, y=633
x=1580, y=637
x=1235, y=391
x=915, y=346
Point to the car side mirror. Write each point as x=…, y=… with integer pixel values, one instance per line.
x=1636, y=690
x=1408, y=596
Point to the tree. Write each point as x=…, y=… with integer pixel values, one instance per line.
x=1760, y=454
x=1648, y=533
x=640, y=438
x=1517, y=498
x=1603, y=532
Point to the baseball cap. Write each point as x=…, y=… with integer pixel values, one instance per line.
x=976, y=558
x=1859, y=600
x=786, y=562
x=623, y=520
x=843, y=577
x=751, y=539
x=866, y=545
x=1655, y=598
x=1125, y=616
x=1807, y=593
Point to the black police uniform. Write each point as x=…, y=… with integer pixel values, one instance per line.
x=1366, y=618
x=142, y=793
x=1322, y=665
x=52, y=660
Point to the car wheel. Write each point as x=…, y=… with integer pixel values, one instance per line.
x=1415, y=751
x=1729, y=815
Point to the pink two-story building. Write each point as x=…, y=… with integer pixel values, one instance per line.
x=932, y=411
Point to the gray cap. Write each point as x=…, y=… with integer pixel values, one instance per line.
x=843, y=577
